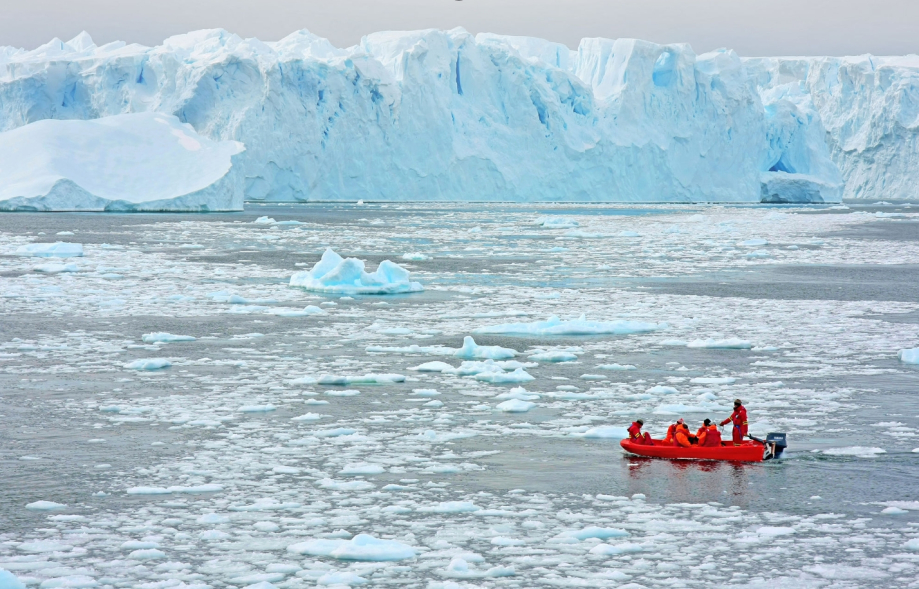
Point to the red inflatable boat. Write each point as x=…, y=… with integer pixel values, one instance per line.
x=747, y=452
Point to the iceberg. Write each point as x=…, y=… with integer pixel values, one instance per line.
x=437, y=115
x=336, y=275
x=129, y=162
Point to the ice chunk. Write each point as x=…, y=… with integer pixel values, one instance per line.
x=362, y=547
x=365, y=379
x=149, y=364
x=515, y=406
x=162, y=337
x=362, y=468
x=334, y=274
x=9, y=581
x=451, y=507
x=616, y=367
x=45, y=506
x=856, y=451
x=473, y=351
x=553, y=356
x=910, y=356
x=555, y=326
x=435, y=366
x=58, y=249
x=720, y=344
x=144, y=161
x=555, y=222
x=517, y=376
x=604, y=432
x=56, y=268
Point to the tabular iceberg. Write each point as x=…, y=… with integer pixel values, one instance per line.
x=445, y=115
x=131, y=162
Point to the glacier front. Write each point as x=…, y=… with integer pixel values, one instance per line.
x=131, y=162
x=445, y=115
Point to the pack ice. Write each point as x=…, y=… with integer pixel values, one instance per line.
x=130, y=162
x=445, y=115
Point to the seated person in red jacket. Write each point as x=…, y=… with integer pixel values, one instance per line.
x=636, y=436
x=681, y=435
x=708, y=435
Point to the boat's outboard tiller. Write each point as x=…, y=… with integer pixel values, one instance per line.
x=775, y=445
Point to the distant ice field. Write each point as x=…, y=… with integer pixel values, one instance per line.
x=304, y=439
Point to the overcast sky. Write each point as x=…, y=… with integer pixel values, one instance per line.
x=751, y=27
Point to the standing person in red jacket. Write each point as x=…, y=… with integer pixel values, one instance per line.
x=635, y=435
x=739, y=419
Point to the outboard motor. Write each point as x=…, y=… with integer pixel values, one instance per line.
x=773, y=446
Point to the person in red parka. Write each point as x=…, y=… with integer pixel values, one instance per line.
x=636, y=436
x=739, y=419
x=671, y=431
x=708, y=435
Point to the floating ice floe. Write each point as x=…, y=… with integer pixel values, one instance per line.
x=616, y=367
x=415, y=257
x=10, y=581
x=58, y=249
x=149, y=364
x=500, y=377
x=459, y=568
x=45, y=506
x=435, y=366
x=473, y=351
x=555, y=326
x=362, y=547
x=162, y=338
x=553, y=356
x=333, y=380
x=910, y=356
x=130, y=162
x=334, y=274
x=555, y=222
x=515, y=406
x=720, y=344
x=55, y=268
x=604, y=432
x=856, y=451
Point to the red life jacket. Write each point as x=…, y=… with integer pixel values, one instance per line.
x=712, y=437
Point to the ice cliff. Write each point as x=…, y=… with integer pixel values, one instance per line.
x=131, y=162
x=868, y=107
x=444, y=115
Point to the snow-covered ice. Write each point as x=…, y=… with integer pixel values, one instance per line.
x=127, y=162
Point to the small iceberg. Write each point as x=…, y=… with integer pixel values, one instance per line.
x=910, y=356
x=58, y=249
x=336, y=275
x=581, y=326
x=473, y=351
